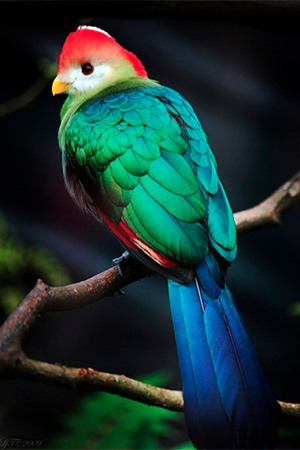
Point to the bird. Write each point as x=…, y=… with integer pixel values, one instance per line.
x=135, y=156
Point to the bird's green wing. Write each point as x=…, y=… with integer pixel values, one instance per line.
x=143, y=158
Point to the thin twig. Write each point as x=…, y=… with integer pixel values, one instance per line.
x=25, y=98
x=269, y=212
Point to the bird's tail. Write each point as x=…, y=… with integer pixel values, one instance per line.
x=228, y=401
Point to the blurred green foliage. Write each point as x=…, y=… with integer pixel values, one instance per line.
x=289, y=434
x=47, y=68
x=106, y=421
x=290, y=431
x=21, y=265
x=294, y=309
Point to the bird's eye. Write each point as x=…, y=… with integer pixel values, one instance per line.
x=87, y=69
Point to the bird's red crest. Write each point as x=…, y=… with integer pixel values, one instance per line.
x=88, y=42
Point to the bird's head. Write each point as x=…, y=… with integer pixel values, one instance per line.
x=91, y=59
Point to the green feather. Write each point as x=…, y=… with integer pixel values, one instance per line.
x=151, y=134
x=222, y=230
x=209, y=178
x=122, y=177
x=160, y=121
x=180, y=165
x=134, y=131
x=147, y=149
x=180, y=181
x=136, y=118
x=134, y=163
x=113, y=190
x=152, y=167
x=181, y=208
x=125, y=139
x=153, y=224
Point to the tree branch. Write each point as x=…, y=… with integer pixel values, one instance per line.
x=43, y=298
x=269, y=212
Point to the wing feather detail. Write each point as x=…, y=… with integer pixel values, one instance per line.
x=152, y=168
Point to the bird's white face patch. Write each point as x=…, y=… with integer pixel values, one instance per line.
x=81, y=83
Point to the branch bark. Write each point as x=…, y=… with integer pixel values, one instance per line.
x=269, y=212
x=43, y=299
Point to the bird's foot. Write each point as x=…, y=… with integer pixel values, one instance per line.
x=118, y=262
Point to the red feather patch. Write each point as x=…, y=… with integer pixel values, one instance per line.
x=90, y=44
x=123, y=232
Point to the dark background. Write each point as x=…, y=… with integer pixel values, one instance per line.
x=238, y=64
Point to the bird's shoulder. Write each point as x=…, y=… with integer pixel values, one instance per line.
x=128, y=101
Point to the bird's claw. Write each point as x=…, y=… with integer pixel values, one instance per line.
x=120, y=259
x=117, y=262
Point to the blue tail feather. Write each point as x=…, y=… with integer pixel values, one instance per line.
x=228, y=401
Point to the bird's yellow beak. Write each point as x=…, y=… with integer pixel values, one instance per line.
x=58, y=87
